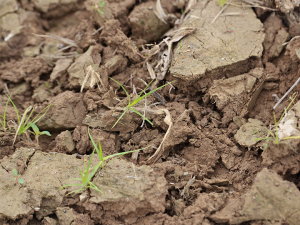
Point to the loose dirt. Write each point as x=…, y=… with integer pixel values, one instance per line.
x=210, y=156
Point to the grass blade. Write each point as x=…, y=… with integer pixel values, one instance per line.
x=147, y=86
x=34, y=120
x=15, y=108
x=141, y=115
x=26, y=122
x=3, y=124
x=123, y=89
x=292, y=137
x=120, y=117
x=20, y=129
x=145, y=95
x=276, y=129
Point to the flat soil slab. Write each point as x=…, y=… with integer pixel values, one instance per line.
x=219, y=48
x=127, y=189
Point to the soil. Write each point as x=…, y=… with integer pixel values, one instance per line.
x=210, y=155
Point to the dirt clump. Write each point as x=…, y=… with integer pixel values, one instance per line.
x=64, y=142
x=145, y=25
x=250, y=131
x=40, y=195
x=276, y=36
x=67, y=110
x=210, y=49
x=115, y=38
x=139, y=189
x=232, y=96
x=270, y=198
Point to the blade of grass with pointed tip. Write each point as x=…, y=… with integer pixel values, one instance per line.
x=141, y=115
x=99, y=150
x=144, y=96
x=118, y=155
x=147, y=86
x=120, y=118
x=15, y=108
x=25, y=124
x=34, y=120
x=292, y=137
x=20, y=129
x=276, y=129
x=286, y=109
x=123, y=89
x=3, y=124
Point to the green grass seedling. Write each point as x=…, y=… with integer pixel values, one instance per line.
x=140, y=97
x=100, y=154
x=86, y=176
x=274, y=135
x=37, y=132
x=3, y=120
x=17, y=177
x=222, y=2
x=99, y=7
x=85, y=179
x=23, y=123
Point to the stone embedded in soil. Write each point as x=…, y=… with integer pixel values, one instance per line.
x=130, y=192
x=232, y=95
x=248, y=132
x=145, y=24
x=224, y=48
x=61, y=67
x=67, y=111
x=65, y=215
x=78, y=70
x=64, y=142
x=269, y=199
x=49, y=221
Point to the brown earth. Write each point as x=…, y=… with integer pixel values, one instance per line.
x=208, y=157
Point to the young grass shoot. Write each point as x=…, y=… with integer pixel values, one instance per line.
x=274, y=134
x=140, y=97
x=23, y=123
x=3, y=120
x=86, y=176
x=85, y=179
x=222, y=3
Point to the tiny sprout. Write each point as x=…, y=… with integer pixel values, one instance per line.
x=17, y=179
x=222, y=3
x=37, y=132
x=99, y=7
